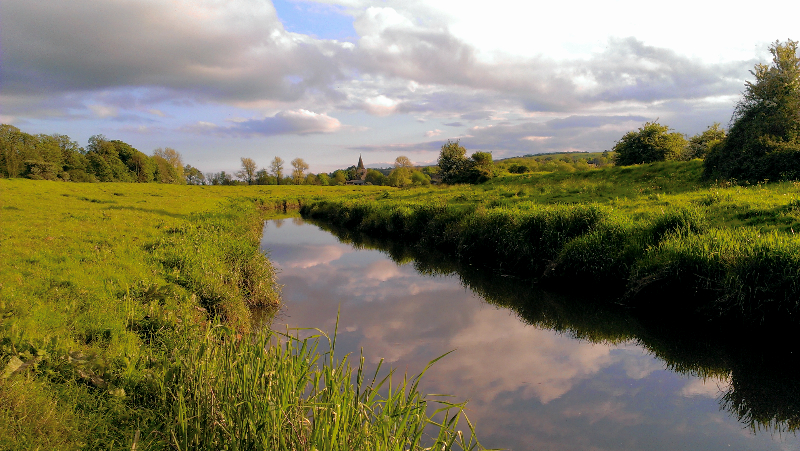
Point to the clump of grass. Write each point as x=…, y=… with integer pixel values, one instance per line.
x=742, y=274
x=267, y=392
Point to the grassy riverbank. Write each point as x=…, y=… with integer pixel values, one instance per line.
x=655, y=237
x=125, y=324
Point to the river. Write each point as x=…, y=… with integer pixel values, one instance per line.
x=540, y=373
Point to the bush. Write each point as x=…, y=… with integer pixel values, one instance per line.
x=764, y=140
x=653, y=142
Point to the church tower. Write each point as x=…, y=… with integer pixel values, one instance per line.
x=361, y=171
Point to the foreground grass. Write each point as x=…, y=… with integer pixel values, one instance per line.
x=654, y=237
x=109, y=296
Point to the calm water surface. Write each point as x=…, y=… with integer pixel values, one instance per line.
x=528, y=387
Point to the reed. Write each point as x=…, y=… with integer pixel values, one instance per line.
x=273, y=391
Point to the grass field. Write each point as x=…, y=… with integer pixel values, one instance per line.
x=125, y=308
x=125, y=322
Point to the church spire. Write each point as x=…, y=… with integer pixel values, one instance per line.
x=360, y=163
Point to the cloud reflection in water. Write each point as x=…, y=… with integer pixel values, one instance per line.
x=528, y=388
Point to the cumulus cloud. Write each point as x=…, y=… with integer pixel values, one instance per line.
x=239, y=52
x=432, y=133
x=223, y=51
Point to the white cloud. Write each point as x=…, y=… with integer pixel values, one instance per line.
x=709, y=388
x=432, y=133
x=380, y=105
x=104, y=111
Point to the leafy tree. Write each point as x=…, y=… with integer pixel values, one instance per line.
x=105, y=162
x=324, y=179
x=339, y=177
x=174, y=159
x=455, y=167
x=400, y=177
x=481, y=167
x=248, y=172
x=299, y=171
x=219, y=178
x=652, y=142
x=701, y=143
x=764, y=137
x=141, y=166
x=263, y=178
x=15, y=147
x=452, y=161
x=165, y=171
x=403, y=162
x=276, y=168
x=418, y=178
x=193, y=175
x=375, y=177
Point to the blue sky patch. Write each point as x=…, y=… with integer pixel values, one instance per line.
x=322, y=21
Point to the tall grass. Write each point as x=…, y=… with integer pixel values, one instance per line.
x=270, y=391
x=107, y=296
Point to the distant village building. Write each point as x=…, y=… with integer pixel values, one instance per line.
x=361, y=174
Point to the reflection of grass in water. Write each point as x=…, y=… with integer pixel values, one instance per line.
x=762, y=393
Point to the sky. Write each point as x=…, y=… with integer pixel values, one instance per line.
x=329, y=80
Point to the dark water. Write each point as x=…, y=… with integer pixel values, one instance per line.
x=540, y=371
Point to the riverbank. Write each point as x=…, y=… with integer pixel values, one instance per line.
x=666, y=243
x=125, y=324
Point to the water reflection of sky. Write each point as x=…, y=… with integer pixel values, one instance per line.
x=528, y=388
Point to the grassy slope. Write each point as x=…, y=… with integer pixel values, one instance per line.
x=107, y=292
x=637, y=233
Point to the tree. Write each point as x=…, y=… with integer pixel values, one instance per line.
x=400, y=177
x=300, y=168
x=276, y=168
x=701, y=143
x=339, y=177
x=194, y=176
x=263, y=178
x=653, y=142
x=165, y=171
x=763, y=141
x=452, y=161
x=403, y=162
x=418, y=178
x=481, y=167
x=174, y=159
x=455, y=167
x=248, y=172
x=375, y=177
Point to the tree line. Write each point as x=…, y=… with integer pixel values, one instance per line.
x=403, y=173
x=763, y=139
x=57, y=157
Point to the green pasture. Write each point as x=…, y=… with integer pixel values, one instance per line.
x=125, y=314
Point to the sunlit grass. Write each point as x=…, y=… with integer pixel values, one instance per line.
x=109, y=296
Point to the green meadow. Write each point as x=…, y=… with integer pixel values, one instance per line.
x=131, y=314
x=130, y=319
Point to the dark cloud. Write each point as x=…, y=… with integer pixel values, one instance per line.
x=454, y=124
x=232, y=53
